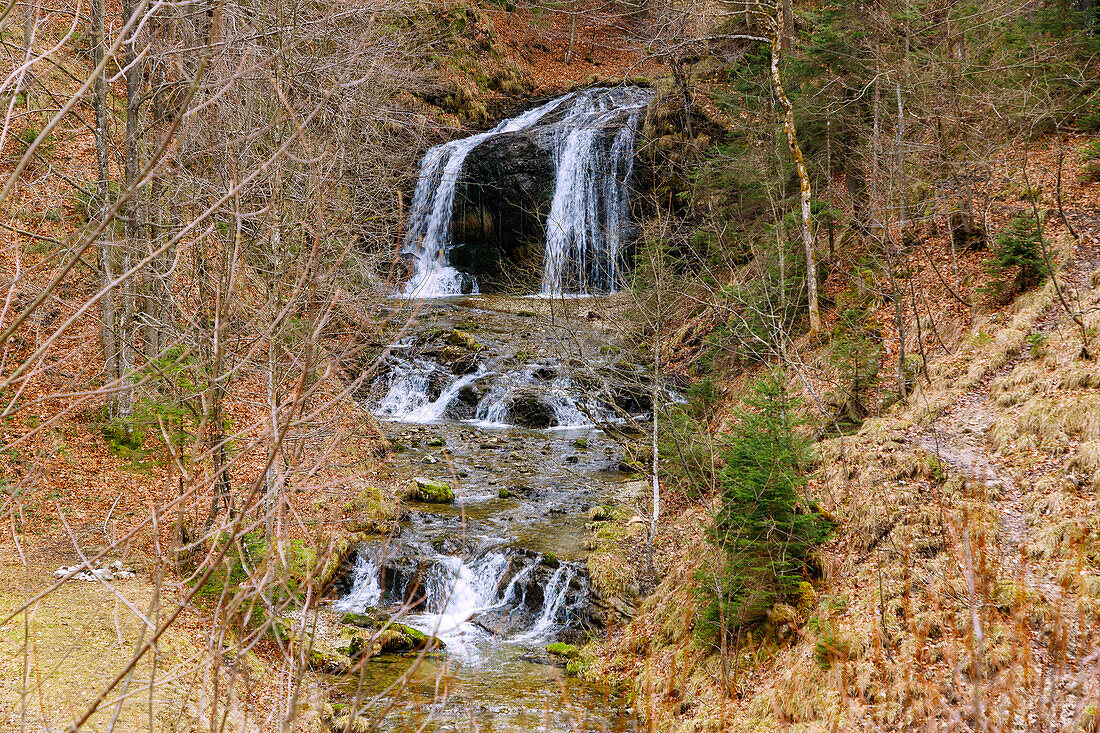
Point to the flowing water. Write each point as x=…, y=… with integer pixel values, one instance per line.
x=590, y=134
x=501, y=573
x=501, y=399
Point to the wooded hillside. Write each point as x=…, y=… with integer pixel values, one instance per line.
x=863, y=287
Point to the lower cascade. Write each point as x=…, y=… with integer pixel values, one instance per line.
x=476, y=211
x=469, y=603
x=495, y=580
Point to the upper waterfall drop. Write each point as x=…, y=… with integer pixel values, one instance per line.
x=585, y=140
x=591, y=204
x=429, y=233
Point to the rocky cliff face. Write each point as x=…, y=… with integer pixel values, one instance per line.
x=500, y=210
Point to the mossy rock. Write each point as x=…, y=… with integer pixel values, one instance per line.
x=370, y=618
x=330, y=661
x=353, y=724
x=568, y=651
x=601, y=514
x=464, y=340
x=394, y=638
x=429, y=491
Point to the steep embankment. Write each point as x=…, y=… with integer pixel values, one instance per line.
x=962, y=582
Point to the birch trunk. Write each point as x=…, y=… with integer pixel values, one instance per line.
x=800, y=166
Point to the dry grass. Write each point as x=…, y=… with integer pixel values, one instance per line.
x=1086, y=461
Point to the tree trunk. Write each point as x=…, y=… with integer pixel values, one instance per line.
x=101, y=207
x=803, y=174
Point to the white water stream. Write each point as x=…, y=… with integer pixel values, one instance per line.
x=456, y=591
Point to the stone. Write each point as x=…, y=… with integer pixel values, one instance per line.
x=600, y=514
x=369, y=618
x=500, y=205
x=464, y=341
x=394, y=638
x=527, y=409
x=563, y=650
x=429, y=491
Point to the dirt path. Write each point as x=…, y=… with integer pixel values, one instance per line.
x=958, y=438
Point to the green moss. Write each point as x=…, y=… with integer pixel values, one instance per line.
x=371, y=618
x=563, y=650
x=603, y=513
x=431, y=492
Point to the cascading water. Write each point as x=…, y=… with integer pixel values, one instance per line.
x=584, y=231
x=458, y=592
x=420, y=391
x=429, y=234
x=591, y=141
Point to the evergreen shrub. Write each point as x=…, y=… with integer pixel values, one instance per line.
x=764, y=528
x=1017, y=263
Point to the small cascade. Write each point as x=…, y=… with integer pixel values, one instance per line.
x=366, y=588
x=420, y=391
x=590, y=136
x=429, y=233
x=534, y=396
x=463, y=598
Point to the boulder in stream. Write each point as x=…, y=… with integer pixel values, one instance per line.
x=429, y=491
x=527, y=409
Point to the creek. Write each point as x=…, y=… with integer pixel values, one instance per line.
x=501, y=572
x=507, y=400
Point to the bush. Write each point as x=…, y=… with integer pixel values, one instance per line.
x=1018, y=263
x=856, y=354
x=764, y=529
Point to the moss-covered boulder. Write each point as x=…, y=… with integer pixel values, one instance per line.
x=464, y=340
x=330, y=660
x=371, y=618
x=394, y=638
x=429, y=491
x=566, y=651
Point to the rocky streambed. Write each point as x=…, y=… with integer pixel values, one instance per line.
x=499, y=412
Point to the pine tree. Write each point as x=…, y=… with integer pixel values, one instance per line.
x=1018, y=263
x=763, y=529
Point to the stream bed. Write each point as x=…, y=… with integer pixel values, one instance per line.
x=499, y=398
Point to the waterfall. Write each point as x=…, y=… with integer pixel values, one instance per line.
x=584, y=231
x=429, y=232
x=592, y=147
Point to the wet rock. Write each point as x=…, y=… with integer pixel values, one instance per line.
x=370, y=618
x=394, y=638
x=544, y=373
x=502, y=622
x=503, y=197
x=527, y=409
x=429, y=491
